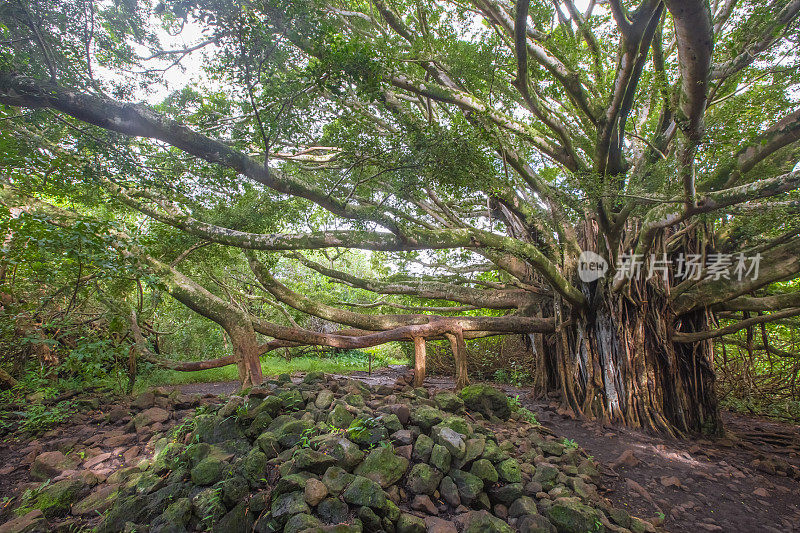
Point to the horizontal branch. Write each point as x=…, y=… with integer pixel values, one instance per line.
x=761, y=319
x=773, y=302
x=139, y=121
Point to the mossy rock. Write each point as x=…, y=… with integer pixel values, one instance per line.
x=457, y=424
x=234, y=490
x=426, y=417
x=286, y=505
x=485, y=522
x=253, y=467
x=269, y=444
x=366, y=431
x=314, y=377
x=178, y=512
x=509, y=471
x=450, y=439
x=288, y=430
x=301, y=522
x=484, y=469
x=383, y=466
x=449, y=401
x=346, y=453
x=575, y=517
x=208, y=507
x=340, y=417
x=524, y=505
x=337, y=479
x=423, y=447
x=208, y=471
x=333, y=510
x=486, y=400
x=291, y=400
x=313, y=461
x=469, y=486
x=423, y=479
x=98, y=501
x=56, y=499
x=506, y=494
x=363, y=491
x=408, y=523
x=290, y=483
x=494, y=453
x=441, y=458
x=214, y=430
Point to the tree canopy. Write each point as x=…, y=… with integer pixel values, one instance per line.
x=474, y=148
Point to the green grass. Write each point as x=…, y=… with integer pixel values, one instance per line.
x=340, y=363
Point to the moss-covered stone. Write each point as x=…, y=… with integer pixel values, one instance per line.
x=56, y=499
x=423, y=447
x=363, y=491
x=457, y=424
x=286, y=505
x=485, y=522
x=208, y=507
x=509, y=471
x=346, y=453
x=332, y=510
x=253, y=467
x=366, y=431
x=426, y=417
x=98, y=501
x=408, y=523
x=524, y=505
x=214, y=430
x=487, y=400
x=337, y=479
x=234, y=489
x=208, y=471
x=301, y=522
x=340, y=417
x=324, y=399
x=450, y=439
x=493, y=452
x=575, y=517
x=440, y=458
x=288, y=430
x=291, y=400
x=507, y=493
x=423, y=479
x=383, y=466
x=469, y=486
x=309, y=460
x=449, y=401
x=483, y=469
x=269, y=444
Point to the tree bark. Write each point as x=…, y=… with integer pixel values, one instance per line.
x=618, y=363
x=459, y=348
x=247, y=351
x=419, y=361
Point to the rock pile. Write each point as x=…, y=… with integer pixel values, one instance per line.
x=335, y=455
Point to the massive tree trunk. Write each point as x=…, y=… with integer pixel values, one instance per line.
x=616, y=359
x=618, y=364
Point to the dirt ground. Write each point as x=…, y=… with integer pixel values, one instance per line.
x=748, y=481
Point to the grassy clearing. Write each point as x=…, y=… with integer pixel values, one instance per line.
x=341, y=363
